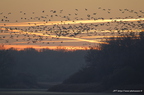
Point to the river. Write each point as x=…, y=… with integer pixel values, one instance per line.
x=44, y=92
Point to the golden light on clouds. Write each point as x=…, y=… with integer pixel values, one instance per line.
x=72, y=38
x=83, y=23
x=66, y=39
x=67, y=22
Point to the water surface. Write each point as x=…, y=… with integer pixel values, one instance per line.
x=44, y=92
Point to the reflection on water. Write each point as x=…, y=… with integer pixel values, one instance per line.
x=44, y=92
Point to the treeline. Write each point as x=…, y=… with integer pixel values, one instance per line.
x=25, y=68
x=118, y=65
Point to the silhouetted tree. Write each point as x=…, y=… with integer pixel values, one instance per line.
x=118, y=63
x=6, y=65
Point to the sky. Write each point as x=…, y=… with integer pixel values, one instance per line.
x=46, y=23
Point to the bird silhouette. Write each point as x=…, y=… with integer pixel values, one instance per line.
x=35, y=33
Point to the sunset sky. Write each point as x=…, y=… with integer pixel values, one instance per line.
x=39, y=23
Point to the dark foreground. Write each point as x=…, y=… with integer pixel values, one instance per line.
x=44, y=92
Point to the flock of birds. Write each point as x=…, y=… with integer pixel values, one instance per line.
x=44, y=33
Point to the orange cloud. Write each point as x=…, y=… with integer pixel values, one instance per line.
x=37, y=47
